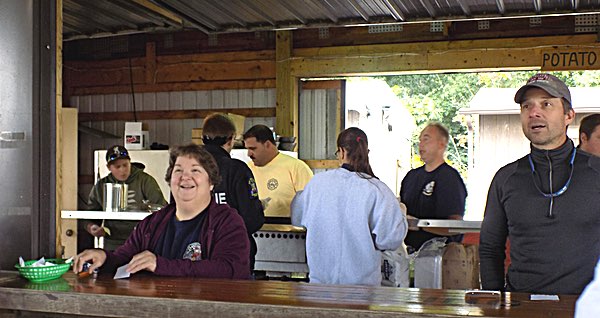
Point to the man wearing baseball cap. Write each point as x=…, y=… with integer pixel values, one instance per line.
x=547, y=203
x=142, y=188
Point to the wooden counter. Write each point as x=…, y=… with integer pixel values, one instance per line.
x=148, y=295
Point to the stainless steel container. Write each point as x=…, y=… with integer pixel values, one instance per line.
x=281, y=250
x=115, y=197
x=428, y=269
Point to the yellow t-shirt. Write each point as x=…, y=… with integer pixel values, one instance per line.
x=278, y=181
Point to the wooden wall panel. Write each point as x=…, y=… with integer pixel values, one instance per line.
x=250, y=70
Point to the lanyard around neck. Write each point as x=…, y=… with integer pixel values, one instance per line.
x=561, y=190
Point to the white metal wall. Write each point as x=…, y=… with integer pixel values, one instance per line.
x=317, y=119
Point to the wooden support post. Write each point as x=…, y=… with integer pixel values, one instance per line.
x=286, y=123
x=60, y=167
x=150, y=63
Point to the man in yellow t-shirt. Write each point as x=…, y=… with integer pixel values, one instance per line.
x=278, y=176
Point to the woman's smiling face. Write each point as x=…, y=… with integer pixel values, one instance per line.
x=190, y=182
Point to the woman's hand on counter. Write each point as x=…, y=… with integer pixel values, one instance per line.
x=96, y=257
x=145, y=260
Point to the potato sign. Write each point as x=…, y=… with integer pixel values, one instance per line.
x=565, y=59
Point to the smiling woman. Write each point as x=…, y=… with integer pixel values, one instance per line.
x=193, y=236
x=192, y=174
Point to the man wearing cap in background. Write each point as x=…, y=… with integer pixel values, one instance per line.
x=547, y=203
x=278, y=176
x=589, y=135
x=142, y=190
x=237, y=187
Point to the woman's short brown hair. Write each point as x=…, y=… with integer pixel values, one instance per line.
x=197, y=152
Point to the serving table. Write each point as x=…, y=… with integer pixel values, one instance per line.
x=145, y=295
x=453, y=226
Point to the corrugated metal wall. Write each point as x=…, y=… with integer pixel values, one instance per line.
x=318, y=112
x=317, y=120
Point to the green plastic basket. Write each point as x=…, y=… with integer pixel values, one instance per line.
x=59, y=284
x=43, y=273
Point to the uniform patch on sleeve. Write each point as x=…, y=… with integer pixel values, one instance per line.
x=253, y=188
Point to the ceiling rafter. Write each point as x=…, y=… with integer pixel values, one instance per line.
x=430, y=9
x=105, y=9
x=220, y=7
x=182, y=10
x=537, y=6
x=168, y=16
x=155, y=14
x=359, y=9
x=574, y=4
x=395, y=10
x=294, y=12
x=256, y=11
x=90, y=21
x=501, y=7
x=327, y=10
x=464, y=7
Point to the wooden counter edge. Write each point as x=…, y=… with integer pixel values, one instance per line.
x=73, y=303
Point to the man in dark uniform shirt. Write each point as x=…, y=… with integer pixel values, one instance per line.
x=434, y=190
x=237, y=187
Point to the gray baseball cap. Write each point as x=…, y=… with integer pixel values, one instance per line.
x=550, y=83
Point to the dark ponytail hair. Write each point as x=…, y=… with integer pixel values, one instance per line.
x=355, y=143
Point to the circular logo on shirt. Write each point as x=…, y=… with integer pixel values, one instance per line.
x=272, y=184
x=428, y=189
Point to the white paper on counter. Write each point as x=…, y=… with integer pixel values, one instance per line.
x=122, y=272
x=544, y=297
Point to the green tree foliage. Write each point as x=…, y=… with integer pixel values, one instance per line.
x=438, y=97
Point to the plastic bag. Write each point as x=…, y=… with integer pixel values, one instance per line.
x=434, y=244
x=394, y=268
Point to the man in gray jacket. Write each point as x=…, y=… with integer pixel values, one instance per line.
x=546, y=203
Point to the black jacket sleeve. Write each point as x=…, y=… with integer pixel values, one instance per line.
x=494, y=231
x=244, y=197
